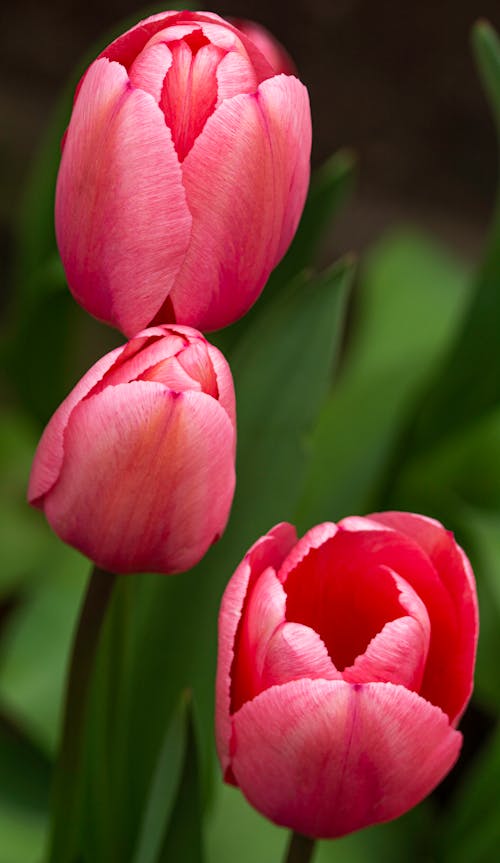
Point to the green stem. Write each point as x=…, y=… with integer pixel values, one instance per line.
x=300, y=849
x=68, y=784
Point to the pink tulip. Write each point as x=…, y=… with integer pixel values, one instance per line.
x=183, y=176
x=136, y=467
x=345, y=664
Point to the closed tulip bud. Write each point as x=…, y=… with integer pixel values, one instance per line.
x=183, y=176
x=136, y=467
x=345, y=663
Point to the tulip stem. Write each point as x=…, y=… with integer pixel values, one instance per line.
x=300, y=849
x=68, y=784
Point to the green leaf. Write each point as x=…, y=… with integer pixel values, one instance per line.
x=331, y=186
x=183, y=839
x=471, y=829
x=236, y=831
x=22, y=835
x=25, y=771
x=411, y=296
x=469, y=383
x=37, y=640
x=164, y=786
x=464, y=466
x=480, y=531
x=283, y=368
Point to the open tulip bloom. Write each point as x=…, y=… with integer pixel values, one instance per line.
x=345, y=664
x=184, y=172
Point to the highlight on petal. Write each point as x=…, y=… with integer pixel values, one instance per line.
x=326, y=758
x=127, y=452
x=120, y=164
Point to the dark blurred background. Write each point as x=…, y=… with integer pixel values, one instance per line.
x=394, y=81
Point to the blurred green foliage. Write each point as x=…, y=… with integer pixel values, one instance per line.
x=396, y=404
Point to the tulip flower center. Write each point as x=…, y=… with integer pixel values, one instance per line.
x=347, y=610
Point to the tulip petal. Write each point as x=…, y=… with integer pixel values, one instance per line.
x=120, y=164
x=264, y=612
x=396, y=655
x=295, y=651
x=139, y=355
x=314, y=538
x=325, y=758
x=189, y=93
x=149, y=69
x=399, y=652
x=50, y=451
x=448, y=677
x=268, y=551
x=246, y=179
x=355, y=548
x=141, y=455
x=225, y=384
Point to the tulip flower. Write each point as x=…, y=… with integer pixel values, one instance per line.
x=136, y=467
x=345, y=664
x=183, y=176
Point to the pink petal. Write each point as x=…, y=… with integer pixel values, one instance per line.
x=325, y=758
x=313, y=539
x=124, y=245
x=50, y=451
x=189, y=93
x=147, y=479
x=231, y=39
x=398, y=653
x=346, y=608
x=141, y=354
x=225, y=385
x=126, y=47
x=264, y=612
x=456, y=575
x=285, y=107
x=269, y=550
x=357, y=548
x=235, y=76
x=295, y=651
x=149, y=69
x=176, y=25
x=246, y=178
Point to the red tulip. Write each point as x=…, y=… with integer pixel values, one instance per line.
x=183, y=176
x=345, y=663
x=136, y=467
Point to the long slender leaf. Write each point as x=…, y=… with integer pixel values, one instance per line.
x=410, y=299
x=469, y=383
